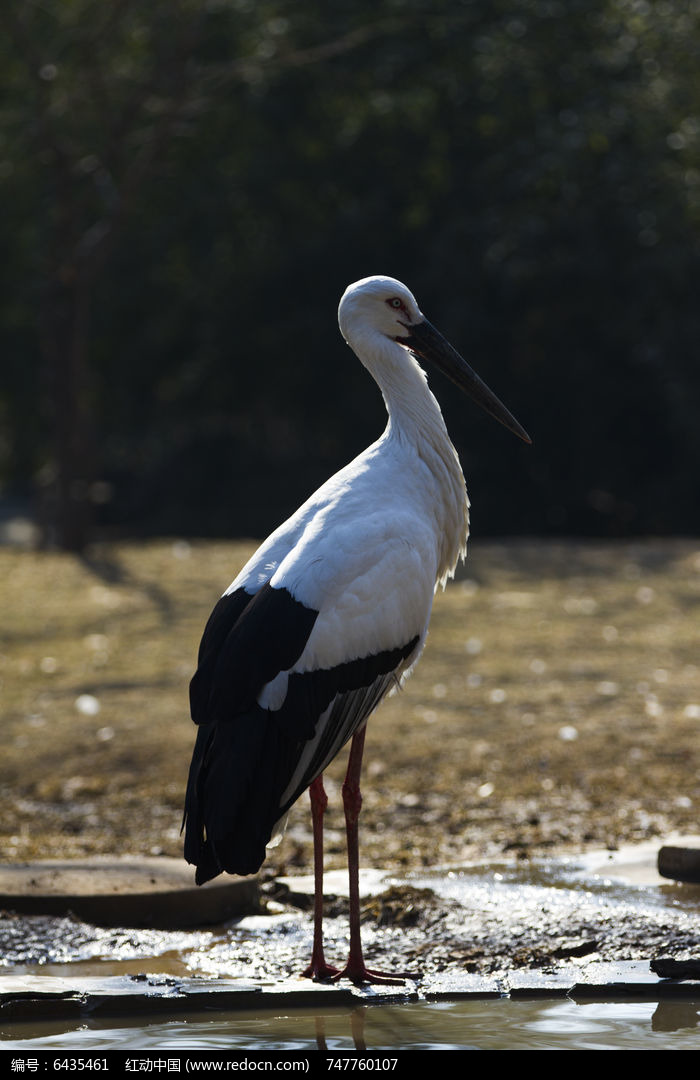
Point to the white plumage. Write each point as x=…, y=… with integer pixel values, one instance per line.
x=332, y=611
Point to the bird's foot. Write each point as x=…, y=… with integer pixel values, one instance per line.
x=359, y=975
x=320, y=971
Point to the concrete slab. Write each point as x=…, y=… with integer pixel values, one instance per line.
x=622, y=980
x=537, y=984
x=153, y=892
x=34, y=998
x=37, y=997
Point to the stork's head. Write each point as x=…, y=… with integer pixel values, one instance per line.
x=383, y=305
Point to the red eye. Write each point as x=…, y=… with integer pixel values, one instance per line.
x=395, y=302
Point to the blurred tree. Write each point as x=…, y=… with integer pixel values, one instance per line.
x=529, y=167
x=96, y=95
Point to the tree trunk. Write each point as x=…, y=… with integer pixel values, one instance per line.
x=67, y=509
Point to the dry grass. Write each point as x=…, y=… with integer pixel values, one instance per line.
x=557, y=703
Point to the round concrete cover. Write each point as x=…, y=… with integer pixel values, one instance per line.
x=155, y=892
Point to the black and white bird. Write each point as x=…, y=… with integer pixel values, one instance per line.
x=330, y=614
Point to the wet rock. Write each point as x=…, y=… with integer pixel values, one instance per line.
x=568, y=949
x=402, y=905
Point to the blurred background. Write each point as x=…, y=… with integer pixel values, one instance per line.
x=188, y=187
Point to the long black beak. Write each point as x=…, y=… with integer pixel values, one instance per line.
x=429, y=344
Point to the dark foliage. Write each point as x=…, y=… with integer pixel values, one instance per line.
x=192, y=187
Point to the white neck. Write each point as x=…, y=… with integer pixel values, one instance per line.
x=416, y=424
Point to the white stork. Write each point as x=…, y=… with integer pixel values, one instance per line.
x=330, y=614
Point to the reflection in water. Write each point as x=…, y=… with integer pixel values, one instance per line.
x=357, y=1025
x=321, y=1033
x=676, y=1016
x=496, y=1024
x=357, y=1029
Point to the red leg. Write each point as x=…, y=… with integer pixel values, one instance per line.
x=355, y=969
x=318, y=968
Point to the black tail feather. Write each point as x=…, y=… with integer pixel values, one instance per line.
x=238, y=772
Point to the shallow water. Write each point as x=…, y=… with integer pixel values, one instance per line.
x=500, y=1024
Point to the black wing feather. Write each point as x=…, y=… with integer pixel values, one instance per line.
x=245, y=756
x=246, y=642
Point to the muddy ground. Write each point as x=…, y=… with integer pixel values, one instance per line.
x=556, y=708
